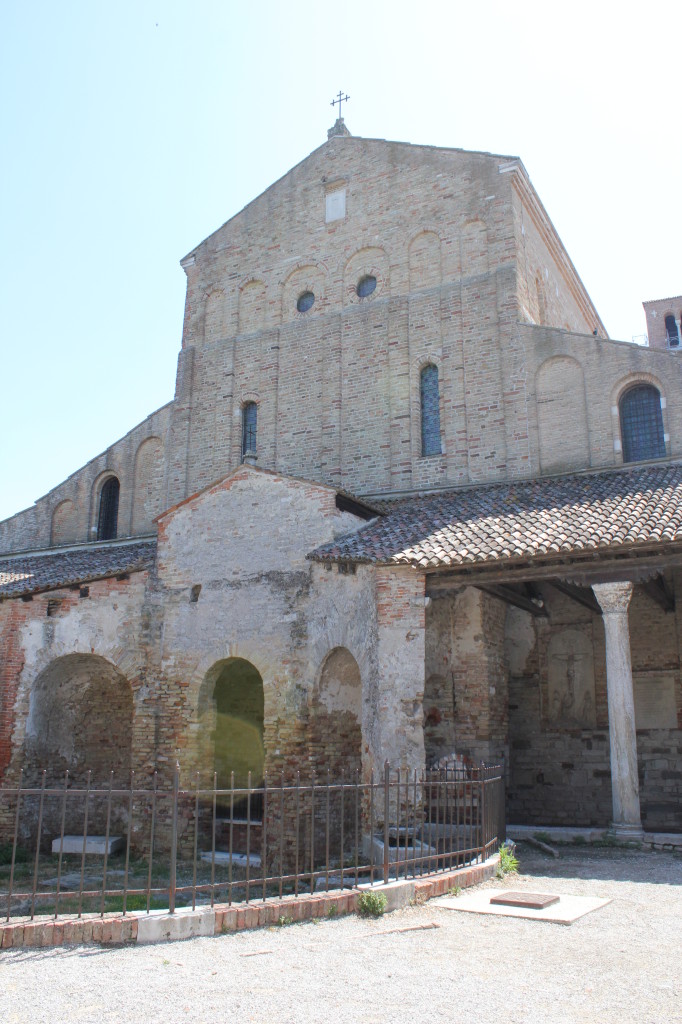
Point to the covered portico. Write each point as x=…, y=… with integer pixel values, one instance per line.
x=544, y=595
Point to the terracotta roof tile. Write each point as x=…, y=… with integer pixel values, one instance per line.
x=27, y=574
x=557, y=515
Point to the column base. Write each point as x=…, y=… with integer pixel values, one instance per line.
x=626, y=833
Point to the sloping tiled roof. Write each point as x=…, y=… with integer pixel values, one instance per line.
x=27, y=574
x=554, y=516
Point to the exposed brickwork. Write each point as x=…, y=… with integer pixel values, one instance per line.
x=472, y=280
x=656, y=313
x=112, y=930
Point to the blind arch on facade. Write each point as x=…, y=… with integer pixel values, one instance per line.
x=641, y=424
x=107, y=519
x=430, y=410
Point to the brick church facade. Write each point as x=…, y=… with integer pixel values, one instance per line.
x=408, y=501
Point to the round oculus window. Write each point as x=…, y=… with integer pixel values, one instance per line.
x=366, y=286
x=305, y=302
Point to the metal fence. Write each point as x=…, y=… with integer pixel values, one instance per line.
x=194, y=845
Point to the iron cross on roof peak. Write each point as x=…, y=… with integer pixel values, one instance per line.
x=340, y=99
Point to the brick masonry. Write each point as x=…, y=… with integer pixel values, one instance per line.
x=472, y=279
x=223, y=919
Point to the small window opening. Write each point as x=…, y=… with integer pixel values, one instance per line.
x=672, y=334
x=84, y=592
x=347, y=568
x=194, y=593
x=53, y=607
x=641, y=424
x=249, y=429
x=366, y=285
x=430, y=411
x=305, y=302
x=107, y=522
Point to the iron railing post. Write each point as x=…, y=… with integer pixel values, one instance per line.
x=387, y=814
x=172, y=882
x=481, y=812
x=14, y=846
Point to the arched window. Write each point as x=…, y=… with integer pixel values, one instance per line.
x=430, y=410
x=672, y=335
x=249, y=428
x=107, y=520
x=641, y=424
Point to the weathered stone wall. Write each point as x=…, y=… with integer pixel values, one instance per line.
x=549, y=291
x=261, y=600
x=60, y=643
x=574, y=383
x=559, y=767
x=74, y=695
x=68, y=513
x=337, y=387
x=466, y=676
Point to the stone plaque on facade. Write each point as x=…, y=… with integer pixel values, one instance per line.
x=655, y=706
x=570, y=679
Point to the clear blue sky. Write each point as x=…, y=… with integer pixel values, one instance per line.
x=130, y=131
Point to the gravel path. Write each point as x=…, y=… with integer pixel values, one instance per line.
x=622, y=963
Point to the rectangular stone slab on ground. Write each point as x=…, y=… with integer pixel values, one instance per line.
x=569, y=909
x=530, y=900
x=96, y=845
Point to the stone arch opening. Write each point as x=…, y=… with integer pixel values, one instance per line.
x=237, y=700
x=81, y=719
x=336, y=717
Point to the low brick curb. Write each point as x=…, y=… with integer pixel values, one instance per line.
x=185, y=923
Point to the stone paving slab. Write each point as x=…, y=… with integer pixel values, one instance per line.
x=566, y=911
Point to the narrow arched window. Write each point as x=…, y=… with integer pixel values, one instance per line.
x=430, y=410
x=672, y=335
x=107, y=519
x=641, y=424
x=249, y=428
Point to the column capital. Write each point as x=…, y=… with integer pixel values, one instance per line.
x=613, y=598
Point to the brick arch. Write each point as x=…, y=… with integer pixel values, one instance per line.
x=251, y=306
x=371, y=260
x=95, y=492
x=474, y=248
x=424, y=260
x=64, y=528
x=564, y=442
x=233, y=722
x=659, y=432
x=335, y=724
x=216, y=316
x=630, y=380
x=304, y=277
x=80, y=718
x=147, y=485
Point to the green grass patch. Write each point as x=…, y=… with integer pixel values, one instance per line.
x=372, y=904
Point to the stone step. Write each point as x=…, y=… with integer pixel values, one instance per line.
x=97, y=846
x=222, y=857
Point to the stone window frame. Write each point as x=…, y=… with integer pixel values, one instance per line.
x=418, y=366
x=100, y=484
x=248, y=402
x=618, y=393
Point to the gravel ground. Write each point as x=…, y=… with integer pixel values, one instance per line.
x=622, y=963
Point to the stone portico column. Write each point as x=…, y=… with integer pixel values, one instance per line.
x=614, y=599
